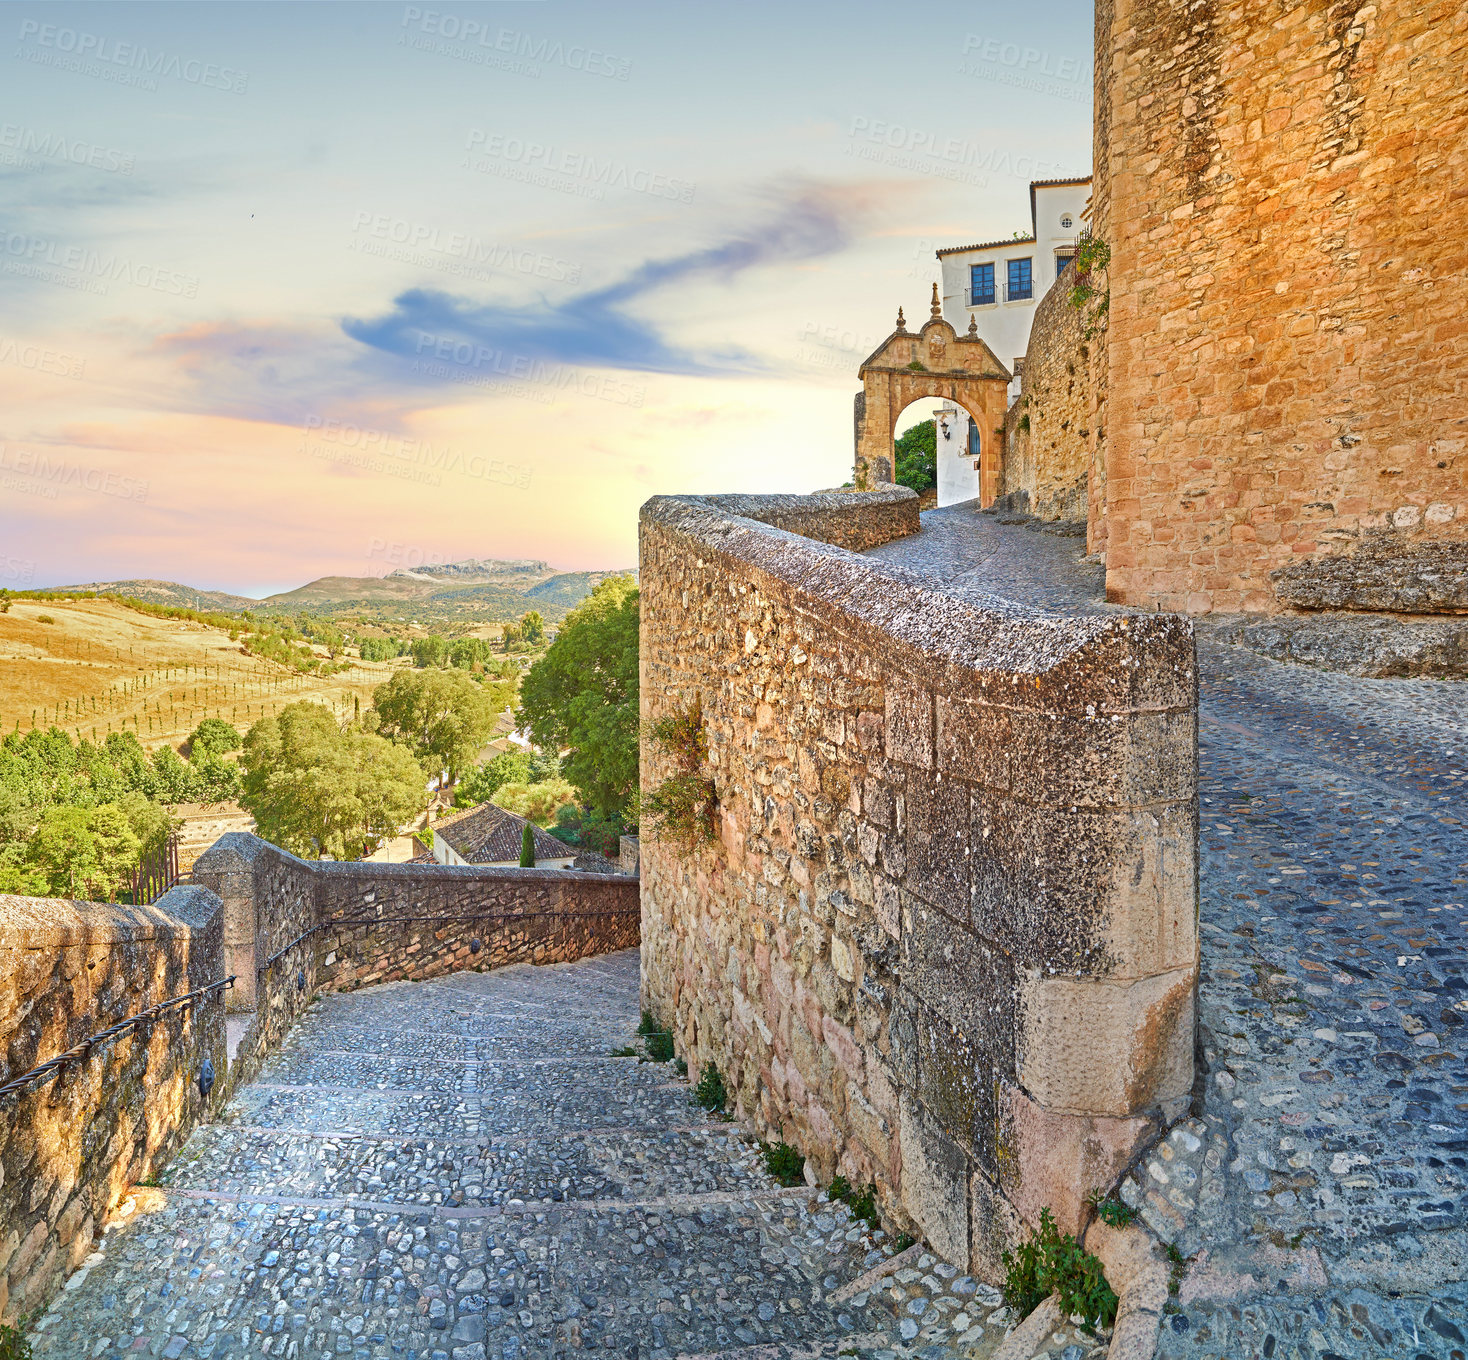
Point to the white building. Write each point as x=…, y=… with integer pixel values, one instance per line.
x=998, y=283
x=956, y=445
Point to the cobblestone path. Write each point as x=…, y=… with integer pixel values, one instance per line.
x=458, y=1170
x=1319, y=1196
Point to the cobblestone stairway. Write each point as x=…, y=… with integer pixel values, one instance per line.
x=458, y=1170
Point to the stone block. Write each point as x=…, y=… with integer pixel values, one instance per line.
x=995, y=1227
x=1103, y=1048
x=939, y=827
x=1103, y=760
x=956, y=1085
x=974, y=741
x=961, y=978
x=1085, y=891
x=935, y=1176
x=1053, y=1161
x=909, y=715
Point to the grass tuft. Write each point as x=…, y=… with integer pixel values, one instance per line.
x=1052, y=1263
x=783, y=1162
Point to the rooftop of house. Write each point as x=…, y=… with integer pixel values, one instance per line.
x=1019, y=240
x=489, y=834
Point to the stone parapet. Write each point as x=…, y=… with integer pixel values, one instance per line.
x=848, y=519
x=946, y=938
x=71, y=1147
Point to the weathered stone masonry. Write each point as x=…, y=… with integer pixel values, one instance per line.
x=71, y=1149
x=1287, y=349
x=946, y=939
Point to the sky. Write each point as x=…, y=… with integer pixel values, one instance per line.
x=292, y=290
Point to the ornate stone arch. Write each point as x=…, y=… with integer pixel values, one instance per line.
x=934, y=362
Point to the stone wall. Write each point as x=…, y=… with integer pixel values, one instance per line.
x=413, y=922
x=946, y=939
x=1047, y=431
x=338, y=926
x=1288, y=354
x=71, y=1149
x=850, y=519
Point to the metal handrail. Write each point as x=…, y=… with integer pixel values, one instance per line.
x=53, y=1066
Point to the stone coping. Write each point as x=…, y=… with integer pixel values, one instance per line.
x=54, y=922
x=246, y=846
x=974, y=633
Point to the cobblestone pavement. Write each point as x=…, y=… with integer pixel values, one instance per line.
x=459, y=1170
x=1317, y=1198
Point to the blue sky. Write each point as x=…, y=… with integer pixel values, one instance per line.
x=284, y=282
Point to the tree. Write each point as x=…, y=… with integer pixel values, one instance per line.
x=429, y=651
x=532, y=626
x=83, y=853
x=317, y=789
x=581, y=696
x=510, y=767
x=443, y=717
x=538, y=802
x=213, y=736
x=916, y=456
x=527, y=848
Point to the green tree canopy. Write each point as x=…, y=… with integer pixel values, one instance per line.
x=532, y=626
x=581, y=696
x=511, y=767
x=916, y=456
x=83, y=853
x=213, y=736
x=443, y=717
x=318, y=789
x=430, y=651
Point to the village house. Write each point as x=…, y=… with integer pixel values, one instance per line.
x=491, y=836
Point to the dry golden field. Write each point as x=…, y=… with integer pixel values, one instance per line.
x=101, y=667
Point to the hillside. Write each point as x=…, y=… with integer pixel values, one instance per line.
x=167, y=593
x=475, y=590
x=97, y=667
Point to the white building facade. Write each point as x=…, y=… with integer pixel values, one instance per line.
x=956, y=445
x=998, y=283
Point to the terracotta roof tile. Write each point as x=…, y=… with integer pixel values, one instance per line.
x=490, y=834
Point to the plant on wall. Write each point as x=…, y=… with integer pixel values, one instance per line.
x=681, y=808
x=1093, y=256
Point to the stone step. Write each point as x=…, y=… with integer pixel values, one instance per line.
x=594, y=1166
x=690, y=1279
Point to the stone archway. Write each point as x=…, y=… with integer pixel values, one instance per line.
x=933, y=362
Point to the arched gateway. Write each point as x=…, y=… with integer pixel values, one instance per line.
x=935, y=362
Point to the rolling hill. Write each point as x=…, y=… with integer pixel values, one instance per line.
x=168, y=593
x=486, y=588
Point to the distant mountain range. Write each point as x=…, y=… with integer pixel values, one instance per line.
x=481, y=586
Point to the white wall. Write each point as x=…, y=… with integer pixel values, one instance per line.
x=958, y=477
